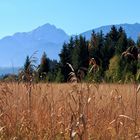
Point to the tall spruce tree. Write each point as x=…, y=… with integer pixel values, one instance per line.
x=96, y=47
x=84, y=55
x=121, y=45
x=27, y=71
x=76, y=54
x=64, y=58
x=44, y=66
x=138, y=43
x=114, y=35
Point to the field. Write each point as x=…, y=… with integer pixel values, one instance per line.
x=69, y=111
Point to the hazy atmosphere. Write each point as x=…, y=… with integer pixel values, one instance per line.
x=73, y=16
x=70, y=70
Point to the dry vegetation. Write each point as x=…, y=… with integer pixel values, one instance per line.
x=69, y=112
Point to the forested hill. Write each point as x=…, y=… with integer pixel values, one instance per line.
x=111, y=57
x=46, y=38
x=132, y=30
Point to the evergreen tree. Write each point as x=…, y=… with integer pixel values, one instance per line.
x=70, y=49
x=128, y=64
x=44, y=66
x=130, y=42
x=27, y=71
x=27, y=66
x=138, y=44
x=115, y=54
x=76, y=54
x=64, y=59
x=53, y=69
x=108, y=52
x=80, y=56
x=95, y=47
x=121, y=45
x=83, y=52
x=114, y=35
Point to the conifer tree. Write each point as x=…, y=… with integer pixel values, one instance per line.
x=76, y=54
x=26, y=73
x=138, y=43
x=121, y=45
x=44, y=66
x=64, y=58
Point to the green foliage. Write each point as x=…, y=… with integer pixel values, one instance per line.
x=121, y=45
x=28, y=66
x=43, y=67
x=113, y=74
x=115, y=55
x=59, y=77
x=95, y=77
x=76, y=53
x=138, y=75
x=129, y=77
x=26, y=74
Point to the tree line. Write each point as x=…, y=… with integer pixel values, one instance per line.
x=103, y=58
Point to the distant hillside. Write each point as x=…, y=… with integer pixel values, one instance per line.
x=6, y=70
x=14, y=49
x=132, y=30
x=48, y=38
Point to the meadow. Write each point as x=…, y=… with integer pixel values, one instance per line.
x=81, y=111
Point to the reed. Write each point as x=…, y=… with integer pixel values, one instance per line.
x=73, y=111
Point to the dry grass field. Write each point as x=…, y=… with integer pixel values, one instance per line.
x=69, y=111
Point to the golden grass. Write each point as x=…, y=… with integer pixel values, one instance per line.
x=69, y=112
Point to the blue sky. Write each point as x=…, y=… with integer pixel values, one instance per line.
x=74, y=16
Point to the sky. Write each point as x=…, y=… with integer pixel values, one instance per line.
x=73, y=16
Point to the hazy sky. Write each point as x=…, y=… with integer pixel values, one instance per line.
x=74, y=16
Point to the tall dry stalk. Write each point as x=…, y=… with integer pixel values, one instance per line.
x=69, y=112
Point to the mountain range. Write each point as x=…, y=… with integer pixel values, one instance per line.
x=132, y=30
x=48, y=38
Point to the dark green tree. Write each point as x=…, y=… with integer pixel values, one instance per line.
x=112, y=39
x=80, y=55
x=44, y=67
x=96, y=46
x=130, y=42
x=27, y=71
x=114, y=35
x=76, y=54
x=64, y=58
x=121, y=44
x=138, y=44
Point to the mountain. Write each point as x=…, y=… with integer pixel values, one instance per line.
x=48, y=38
x=8, y=70
x=14, y=49
x=132, y=30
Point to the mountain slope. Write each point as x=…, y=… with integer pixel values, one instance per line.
x=132, y=30
x=46, y=38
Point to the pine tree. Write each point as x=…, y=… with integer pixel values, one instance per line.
x=44, y=66
x=130, y=42
x=114, y=35
x=96, y=50
x=121, y=45
x=76, y=54
x=138, y=43
x=64, y=58
x=27, y=71
x=83, y=52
